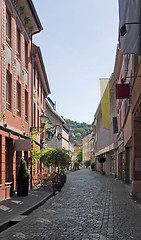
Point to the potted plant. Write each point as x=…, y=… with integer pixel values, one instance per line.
x=101, y=159
x=76, y=165
x=102, y=172
x=23, y=179
x=87, y=163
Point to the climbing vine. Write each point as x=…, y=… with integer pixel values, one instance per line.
x=36, y=154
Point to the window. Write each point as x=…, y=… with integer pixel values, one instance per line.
x=38, y=86
x=26, y=105
x=8, y=159
x=34, y=76
x=136, y=61
x=0, y=158
x=44, y=96
x=41, y=94
x=18, y=68
x=18, y=43
x=126, y=62
x=8, y=27
x=130, y=82
x=8, y=57
x=38, y=119
x=26, y=78
x=34, y=120
x=126, y=104
x=8, y=91
x=26, y=54
x=18, y=99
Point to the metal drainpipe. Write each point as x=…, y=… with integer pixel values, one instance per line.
x=32, y=99
x=31, y=108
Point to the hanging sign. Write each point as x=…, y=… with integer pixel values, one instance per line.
x=122, y=91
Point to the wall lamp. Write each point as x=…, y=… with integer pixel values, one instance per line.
x=50, y=132
x=123, y=80
x=43, y=119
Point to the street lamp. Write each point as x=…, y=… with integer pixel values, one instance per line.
x=43, y=118
x=49, y=132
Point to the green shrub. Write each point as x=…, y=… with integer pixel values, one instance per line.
x=93, y=166
x=101, y=159
x=23, y=175
x=87, y=163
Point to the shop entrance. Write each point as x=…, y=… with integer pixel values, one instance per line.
x=9, y=159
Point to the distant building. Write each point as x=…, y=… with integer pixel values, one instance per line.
x=72, y=146
x=61, y=127
x=105, y=140
x=86, y=148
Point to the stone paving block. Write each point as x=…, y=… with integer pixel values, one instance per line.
x=90, y=206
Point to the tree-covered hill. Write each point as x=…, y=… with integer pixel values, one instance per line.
x=80, y=129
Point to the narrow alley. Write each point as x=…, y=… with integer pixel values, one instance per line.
x=90, y=206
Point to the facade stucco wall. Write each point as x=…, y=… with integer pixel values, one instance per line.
x=65, y=139
x=86, y=147
x=54, y=143
x=128, y=128
x=105, y=137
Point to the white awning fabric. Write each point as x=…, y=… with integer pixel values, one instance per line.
x=130, y=15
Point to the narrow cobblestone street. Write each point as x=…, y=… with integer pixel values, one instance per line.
x=90, y=206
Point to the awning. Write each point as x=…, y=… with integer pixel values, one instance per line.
x=130, y=24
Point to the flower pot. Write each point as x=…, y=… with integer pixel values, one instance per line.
x=92, y=166
x=22, y=190
x=57, y=186
x=54, y=186
x=101, y=159
x=23, y=179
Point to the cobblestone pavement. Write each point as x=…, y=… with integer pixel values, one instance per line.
x=90, y=206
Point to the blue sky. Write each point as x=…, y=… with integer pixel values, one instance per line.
x=78, y=44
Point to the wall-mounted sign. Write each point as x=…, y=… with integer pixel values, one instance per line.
x=22, y=145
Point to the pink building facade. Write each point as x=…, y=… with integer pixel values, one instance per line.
x=18, y=22
x=124, y=137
